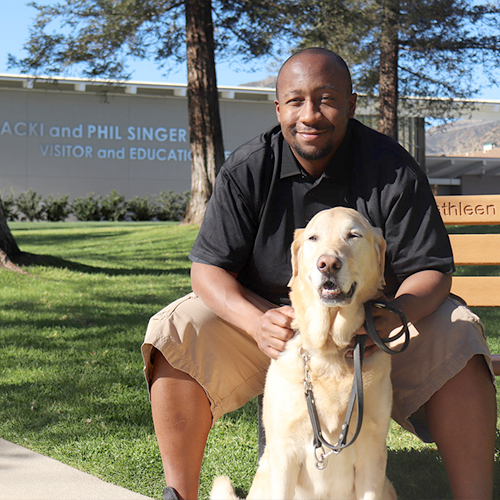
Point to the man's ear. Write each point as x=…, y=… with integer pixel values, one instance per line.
x=351, y=107
x=277, y=104
x=295, y=250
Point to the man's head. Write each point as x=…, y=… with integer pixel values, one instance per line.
x=314, y=102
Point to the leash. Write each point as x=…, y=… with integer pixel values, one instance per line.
x=372, y=331
x=356, y=397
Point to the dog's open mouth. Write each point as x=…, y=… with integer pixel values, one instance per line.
x=331, y=293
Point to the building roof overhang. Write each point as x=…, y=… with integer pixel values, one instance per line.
x=409, y=106
x=450, y=169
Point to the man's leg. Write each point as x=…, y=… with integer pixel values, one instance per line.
x=182, y=420
x=462, y=420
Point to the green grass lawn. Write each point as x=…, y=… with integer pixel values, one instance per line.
x=71, y=371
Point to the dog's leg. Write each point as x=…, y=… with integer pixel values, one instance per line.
x=370, y=480
x=389, y=492
x=284, y=473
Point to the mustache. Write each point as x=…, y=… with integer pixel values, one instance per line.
x=312, y=130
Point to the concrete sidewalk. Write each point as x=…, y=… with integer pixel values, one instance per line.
x=26, y=475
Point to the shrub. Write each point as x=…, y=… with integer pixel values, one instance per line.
x=88, y=208
x=168, y=205
x=56, y=210
x=141, y=208
x=172, y=206
x=9, y=206
x=113, y=206
x=29, y=206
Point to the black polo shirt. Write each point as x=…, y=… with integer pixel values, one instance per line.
x=262, y=195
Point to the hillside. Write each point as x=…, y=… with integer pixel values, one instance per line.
x=463, y=138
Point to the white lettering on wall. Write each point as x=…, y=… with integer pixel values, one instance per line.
x=66, y=150
x=105, y=132
x=160, y=154
x=159, y=134
x=22, y=128
x=100, y=132
x=111, y=154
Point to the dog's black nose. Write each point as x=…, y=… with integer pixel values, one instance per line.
x=329, y=264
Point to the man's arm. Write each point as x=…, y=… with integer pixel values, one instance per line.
x=224, y=295
x=418, y=296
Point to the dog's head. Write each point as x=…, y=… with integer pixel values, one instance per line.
x=337, y=261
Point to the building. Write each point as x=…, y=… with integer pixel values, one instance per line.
x=77, y=136
x=74, y=136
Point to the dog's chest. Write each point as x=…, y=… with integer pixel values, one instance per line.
x=285, y=396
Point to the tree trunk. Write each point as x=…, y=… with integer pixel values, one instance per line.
x=9, y=251
x=205, y=129
x=388, y=78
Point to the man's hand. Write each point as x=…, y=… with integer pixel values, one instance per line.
x=418, y=296
x=273, y=330
x=385, y=322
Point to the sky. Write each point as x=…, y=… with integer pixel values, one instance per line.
x=17, y=17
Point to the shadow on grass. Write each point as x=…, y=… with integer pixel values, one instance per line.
x=30, y=259
x=420, y=474
x=417, y=474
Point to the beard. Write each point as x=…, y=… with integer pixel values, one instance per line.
x=315, y=153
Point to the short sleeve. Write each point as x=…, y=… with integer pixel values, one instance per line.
x=228, y=229
x=416, y=236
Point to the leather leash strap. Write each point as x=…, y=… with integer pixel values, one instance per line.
x=372, y=331
x=356, y=397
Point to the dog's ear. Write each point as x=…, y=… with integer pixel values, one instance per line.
x=297, y=242
x=381, y=247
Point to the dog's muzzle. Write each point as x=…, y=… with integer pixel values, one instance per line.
x=331, y=294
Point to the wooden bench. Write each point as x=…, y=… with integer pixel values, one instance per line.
x=474, y=249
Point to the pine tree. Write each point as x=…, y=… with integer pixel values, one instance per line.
x=399, y=48
x=96, y=38
x=9, y=251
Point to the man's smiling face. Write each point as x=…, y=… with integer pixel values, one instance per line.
x=314, y=103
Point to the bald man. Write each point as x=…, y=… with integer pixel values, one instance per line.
x=207, y=353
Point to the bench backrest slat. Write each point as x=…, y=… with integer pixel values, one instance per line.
x=474, y=249
x=469, y=209
x=478, y=291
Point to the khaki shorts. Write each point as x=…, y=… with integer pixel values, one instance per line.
x=227, y=363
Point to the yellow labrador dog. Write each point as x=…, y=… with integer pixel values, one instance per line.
x=338, y=264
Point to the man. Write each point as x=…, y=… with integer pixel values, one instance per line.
x=207, y=353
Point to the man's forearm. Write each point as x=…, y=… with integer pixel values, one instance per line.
x=422, y=293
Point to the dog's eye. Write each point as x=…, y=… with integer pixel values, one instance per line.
x=313, y=237
x=354, y=234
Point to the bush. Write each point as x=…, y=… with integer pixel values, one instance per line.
x=56, y=210
x=172, y=206
x=168, y=205
x=141, y=209
x=9, y=206
x=29, y=206
x=113, y=206
x=88, y=208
